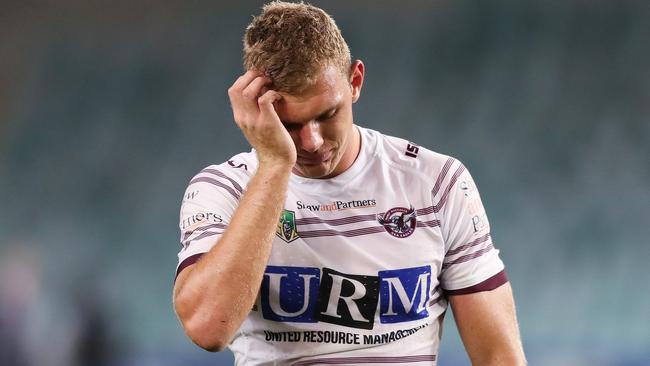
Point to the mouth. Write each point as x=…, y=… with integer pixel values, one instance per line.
x=314, y=159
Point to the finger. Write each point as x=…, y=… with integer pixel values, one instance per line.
x=253, y=90
x=264, y=89
x=266, y=103
x=243, y=81
x=245, y=101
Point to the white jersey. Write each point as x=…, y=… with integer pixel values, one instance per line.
x=361, y=263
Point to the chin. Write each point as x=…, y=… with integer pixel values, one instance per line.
x=314, y=171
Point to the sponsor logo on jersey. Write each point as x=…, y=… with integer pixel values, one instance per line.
x=199, y=218
x=235, y=165
x=307, y=295
x=336, y=205
x=480, y=223
x=467, y=187
x=338, y=337
x=191, y=195
x=347, y=299
x=399, y=222
x=286, y=229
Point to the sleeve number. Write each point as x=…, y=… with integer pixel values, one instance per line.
x=412, y=150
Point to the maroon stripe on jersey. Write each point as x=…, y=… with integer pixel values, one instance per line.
x=432, y=223
x=202, y=228
x=443, y=200
x=367, y=359
x=467, y=257
x=360, y=218
x=348, y=233
x=464, y=247
x=488, y=285
x=216, y=183
x=188, y=262
x=436, y=300
x=424, y=211
x=220, y=174
x=336, y=222
x=441, y=176
x=206, y=234
x=438, y=295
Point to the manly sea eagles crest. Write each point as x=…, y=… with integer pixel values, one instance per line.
x=399, y=221
x=286, y=229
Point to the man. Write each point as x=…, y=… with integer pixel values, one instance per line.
x=330, y=243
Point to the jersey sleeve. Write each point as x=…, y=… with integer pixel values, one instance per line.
x=471, y=262
x=208, y=204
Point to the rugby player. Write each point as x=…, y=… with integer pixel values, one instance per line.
x=328, y=242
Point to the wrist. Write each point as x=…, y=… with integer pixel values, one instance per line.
x=270, y=166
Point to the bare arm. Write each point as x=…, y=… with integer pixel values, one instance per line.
x=213, y=297
x=487, y=324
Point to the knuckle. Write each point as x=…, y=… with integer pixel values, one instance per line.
x=251, y=127
x=248, y=94
x=268, y=96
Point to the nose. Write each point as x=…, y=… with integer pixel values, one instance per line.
x=310, y=137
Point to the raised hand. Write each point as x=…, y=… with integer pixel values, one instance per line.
x=254, y=113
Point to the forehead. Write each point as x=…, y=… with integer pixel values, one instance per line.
x=326, y=93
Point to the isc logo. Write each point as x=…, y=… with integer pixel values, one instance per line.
x=303, y=294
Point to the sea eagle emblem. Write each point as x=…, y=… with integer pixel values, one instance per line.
x=399, y=221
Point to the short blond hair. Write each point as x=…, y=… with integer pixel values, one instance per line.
x=293, y=43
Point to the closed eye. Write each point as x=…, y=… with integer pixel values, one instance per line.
x=292, y=126
x=327, y=115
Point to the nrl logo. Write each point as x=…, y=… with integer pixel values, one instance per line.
x=286, y=229
x=399, y=222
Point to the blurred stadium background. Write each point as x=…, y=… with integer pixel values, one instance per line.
x=108, y=108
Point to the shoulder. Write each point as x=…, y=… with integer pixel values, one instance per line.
x=231, y=176
x=413, y=158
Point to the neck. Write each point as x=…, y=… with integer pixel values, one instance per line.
x=352, y=152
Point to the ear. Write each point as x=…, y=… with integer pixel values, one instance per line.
x=357, y=70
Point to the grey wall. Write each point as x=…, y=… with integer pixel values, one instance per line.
x=107, y=110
